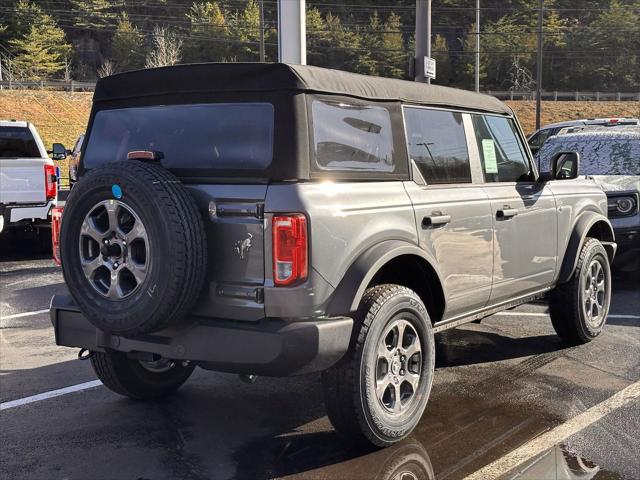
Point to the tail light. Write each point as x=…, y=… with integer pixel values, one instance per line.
x=290, y=249
x=50, y=182
x=56, y=221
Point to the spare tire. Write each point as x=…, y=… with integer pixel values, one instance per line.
x=133, y=248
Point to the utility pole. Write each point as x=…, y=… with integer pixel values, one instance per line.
x=477, y=45
x=262, y=30
x=292, y=32
x=539, y=65
x=423, y=38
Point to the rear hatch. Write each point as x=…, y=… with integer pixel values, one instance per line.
x=22, y=176
x=203, y=144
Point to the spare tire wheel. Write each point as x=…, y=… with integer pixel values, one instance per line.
x=134, y=248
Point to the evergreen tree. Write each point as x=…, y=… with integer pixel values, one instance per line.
x=245, y=28
x=443, y=64
x=126, y=45
x=372, y=55
x=208, y=33
x=392, y=47
x=95, y=14
x=42, y=50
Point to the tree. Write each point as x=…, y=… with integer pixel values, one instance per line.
x=209, y=33
x=107, y=68
x=41, y=51
x=441, y=55
x=245, y=31
x=126, y=45
x=392, y=47
x=95, y=14
x=330, y=44
x=613, y=62
x=166, y=48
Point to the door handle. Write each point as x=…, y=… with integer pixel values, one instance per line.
x=435, y=220
x=506, y=213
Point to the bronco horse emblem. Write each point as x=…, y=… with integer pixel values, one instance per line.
x=243, y=246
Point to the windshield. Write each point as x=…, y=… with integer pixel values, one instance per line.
x=17, y=142
x=207, y=136
x=604, y=154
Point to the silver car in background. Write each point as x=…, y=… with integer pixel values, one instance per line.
x=612, y=159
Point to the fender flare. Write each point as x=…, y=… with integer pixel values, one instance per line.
x=351, y=288
x=584, y=223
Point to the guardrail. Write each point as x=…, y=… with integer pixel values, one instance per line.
x=567, y=96
x=71, y=86
x=74, y=86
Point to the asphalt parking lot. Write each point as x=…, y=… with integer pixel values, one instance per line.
x=509, y=400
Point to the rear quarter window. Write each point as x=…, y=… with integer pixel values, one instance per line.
x=203, y=136
x=349, y=137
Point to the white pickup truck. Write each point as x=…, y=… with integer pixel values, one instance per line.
x=28, y=182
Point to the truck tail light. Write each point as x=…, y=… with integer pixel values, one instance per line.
x=56, y=220
x=290, y=249
x=50, y=182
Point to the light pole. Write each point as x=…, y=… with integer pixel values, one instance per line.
x=292, y=32
x=477, y=45
x=423, y=38
x=539, y=65
x=262, y=30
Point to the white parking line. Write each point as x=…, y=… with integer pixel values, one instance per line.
x=542, y=314
x=553, y=437
x=25, y=314
x=50, y=394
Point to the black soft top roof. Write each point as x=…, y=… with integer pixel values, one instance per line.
x=263, y=77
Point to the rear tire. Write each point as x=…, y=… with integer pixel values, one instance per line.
x=579, y=307
x=136, y=379
x=379, y=390
x=133, y=248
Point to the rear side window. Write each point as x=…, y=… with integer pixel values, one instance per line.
x=17, y=142
x=207, y=136
x=437, y=144
x=349, y=137
x=501, y=152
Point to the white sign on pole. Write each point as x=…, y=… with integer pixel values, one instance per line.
x=429, y=68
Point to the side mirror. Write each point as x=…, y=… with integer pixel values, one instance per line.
x=59, y=152
x=565, y=165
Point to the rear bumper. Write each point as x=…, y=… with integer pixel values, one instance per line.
x=16, y=214
x=269, y=347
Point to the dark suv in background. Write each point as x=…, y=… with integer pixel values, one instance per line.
x=271, y=219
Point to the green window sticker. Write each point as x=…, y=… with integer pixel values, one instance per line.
x=489, y=154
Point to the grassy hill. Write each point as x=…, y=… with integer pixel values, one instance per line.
x=62, y=116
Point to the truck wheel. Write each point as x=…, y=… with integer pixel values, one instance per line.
x=379, y=390
x=139, y=379
x=579, y=307
x=133, y=248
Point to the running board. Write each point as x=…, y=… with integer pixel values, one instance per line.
x=456, y=322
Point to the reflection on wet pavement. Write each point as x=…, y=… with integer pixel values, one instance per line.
x=469, y=422
x=559, y=463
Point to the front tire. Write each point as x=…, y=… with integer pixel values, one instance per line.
x=579, y=307
x=379, y=390
x=138, y=379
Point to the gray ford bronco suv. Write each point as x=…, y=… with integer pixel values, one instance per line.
x=271, y=219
